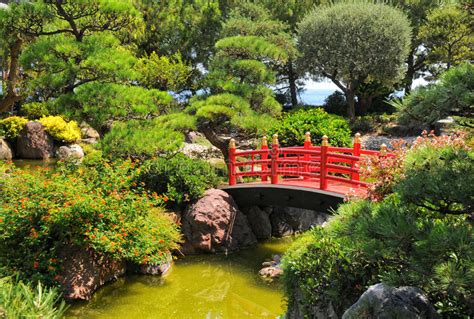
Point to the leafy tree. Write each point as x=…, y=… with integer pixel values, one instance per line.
x=447, y=36
x=352, y=44
x=240, y=76
x=450, y=96
x=187, y=28
x=417, y=11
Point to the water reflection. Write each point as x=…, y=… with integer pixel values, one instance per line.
x=197, y=287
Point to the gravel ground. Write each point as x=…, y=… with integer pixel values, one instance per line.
x=372, y=142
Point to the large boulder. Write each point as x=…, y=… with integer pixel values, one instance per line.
x=289, y=220
x=259, y=221
x=73, y=151
x=6, y=152
x=84, y=271
x=34, y=142
x=384, y=302
x=215, y=224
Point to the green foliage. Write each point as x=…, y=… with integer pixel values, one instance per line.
x=164, y=73
x=439, y=178
x=99, y=206
x=34, y=110
x=452, y=95
x=355, y=43
x=12, y=126
x=179, y=178
x=447, y=36
x=140, y=139
x=399, y=240
x=61, y=130
x=336, y=103
x=292, y=127
x=20, y=300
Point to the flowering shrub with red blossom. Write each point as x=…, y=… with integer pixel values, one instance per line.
x=44, y=211
x=384, y=173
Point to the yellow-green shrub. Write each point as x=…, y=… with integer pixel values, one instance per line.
x=11, y=126
x=61, y=130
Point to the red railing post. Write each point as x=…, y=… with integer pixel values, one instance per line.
x=231, y=164
x=264, y=166
x=323, y=182
x=275, y=151
x=356, y=152
x=306, y=157
x=383, y=150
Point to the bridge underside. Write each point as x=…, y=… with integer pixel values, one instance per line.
x=246, y=195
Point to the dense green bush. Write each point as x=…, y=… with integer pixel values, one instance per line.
x=336, y=104
x=12, y=126
x=140, y=139
x=452, y=95
x=60, y=129
x=292, y=127
x=20, y=300
x=368, y=242
x=440, y=179
x=179, y=178
x=401, y=240
x=34, y=110
x=43, y=212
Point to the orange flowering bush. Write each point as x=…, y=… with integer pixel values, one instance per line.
x=43, y=211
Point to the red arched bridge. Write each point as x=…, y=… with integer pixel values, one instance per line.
x=309, y=176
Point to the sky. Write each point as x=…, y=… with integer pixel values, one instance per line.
x=316, y=92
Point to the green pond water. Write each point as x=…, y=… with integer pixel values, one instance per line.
x=204, y=286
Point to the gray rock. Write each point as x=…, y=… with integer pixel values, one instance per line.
x=384, y=302
x=34, y=142
x=289, y=220
x=151, y=269
x=215, y=224
x=73, y=151
x=88, y=132
x=6, y=152
x=259, y=222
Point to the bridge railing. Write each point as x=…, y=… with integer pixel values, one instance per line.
x=313, y=164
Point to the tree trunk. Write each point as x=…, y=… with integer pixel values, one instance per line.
x=292, y=81
x=12, y=79
x=350, y=96
x=410, y=72
x=211, y=135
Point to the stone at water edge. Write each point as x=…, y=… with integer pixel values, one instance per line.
x=385, y=302
x=289, y=220
x=259, y=222
x=6, y=152
x=271, y=269
x=215, y=224
x=73, y=151
x=85, y=271
x=34, y=142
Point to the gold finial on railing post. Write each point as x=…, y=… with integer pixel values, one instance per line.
x=357, y=138
x=383, y=149
x=307, y=137
x=275, y=139
x=325, y=141
x=232, y=143
x=264, y=141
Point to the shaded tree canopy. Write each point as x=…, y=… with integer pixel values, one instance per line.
x=355, y=43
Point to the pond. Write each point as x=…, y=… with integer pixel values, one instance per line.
x=204, y=286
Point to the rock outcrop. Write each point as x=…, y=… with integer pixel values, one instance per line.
x=89, y=134
x=259, y=221
x=384, y=302
x=34, y=142
x=85, y=271
x=6, y=152
x=73, y=151
x=215, y=224
x=288, y=220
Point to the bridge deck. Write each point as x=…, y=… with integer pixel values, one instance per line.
x=313, y=183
